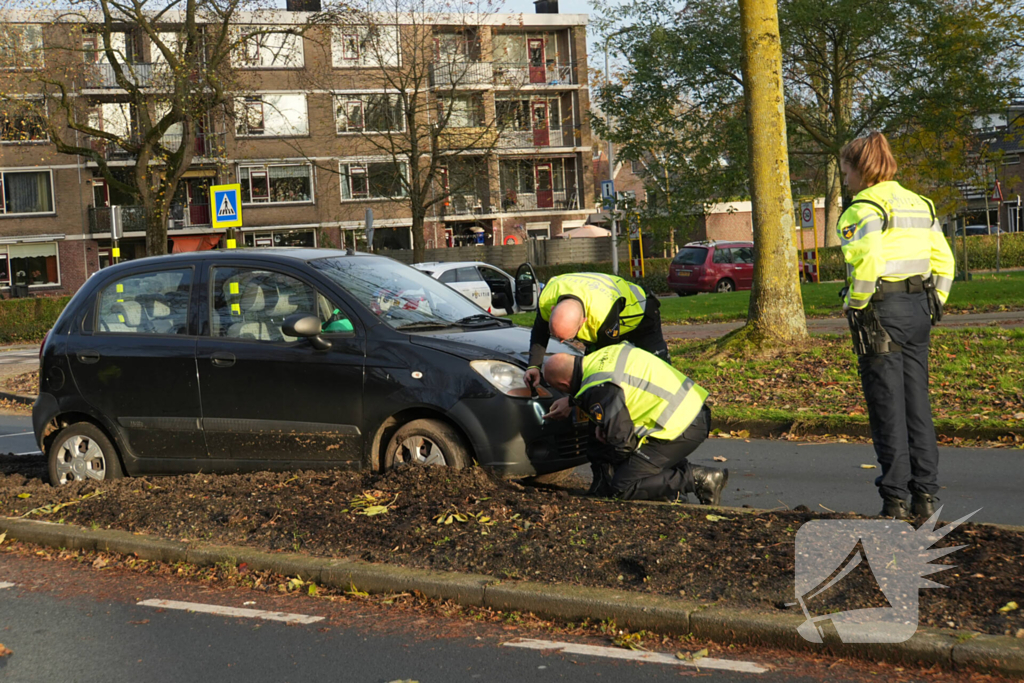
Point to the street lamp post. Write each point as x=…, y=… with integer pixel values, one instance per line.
x=611, y=155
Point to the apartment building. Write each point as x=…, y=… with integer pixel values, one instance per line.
x=299, y=138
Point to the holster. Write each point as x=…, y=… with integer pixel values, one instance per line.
x=934, y=302
x=870, y=338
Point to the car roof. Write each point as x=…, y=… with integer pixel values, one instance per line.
x=714, y=243
x=297, y=254
x=442, y=266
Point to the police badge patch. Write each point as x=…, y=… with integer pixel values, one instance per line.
x=597, y=411
x=848, y=231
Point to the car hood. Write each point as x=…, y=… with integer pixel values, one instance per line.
x=511, y=344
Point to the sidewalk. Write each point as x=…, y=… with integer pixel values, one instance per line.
x=840, y=326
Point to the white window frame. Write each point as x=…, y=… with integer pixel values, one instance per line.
x=5, y=257
x=265, y=168
x=363, y=166
x=360, y=98
x=53, y=193
x=245, y=101
x=344, y=58
x=10, y=273
x=1011, y=159
x=46, y=113
x=36, y=49
x=251, y=56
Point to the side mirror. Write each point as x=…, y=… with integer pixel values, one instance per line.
x=308, y=326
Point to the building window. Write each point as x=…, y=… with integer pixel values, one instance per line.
x=22, y=121
x=377, y=113
x=463, y=112
x=276, y=184
x=280, y=238
x=26, y=192
x=276, y=50
x=363, y=46
x=30, y=264
x=21, y=47
x=1011, y=160
x=271, y=116
x=372, y=180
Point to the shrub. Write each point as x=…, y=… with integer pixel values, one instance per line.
x=29, y=319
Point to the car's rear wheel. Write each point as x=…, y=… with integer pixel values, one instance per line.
x=725, y=285
x=427, y=443
x=82, y=451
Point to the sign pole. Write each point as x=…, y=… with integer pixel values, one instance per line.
x=115, y=233
x=817, y=261
x=999, y=221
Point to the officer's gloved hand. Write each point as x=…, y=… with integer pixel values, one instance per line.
x=843, y=292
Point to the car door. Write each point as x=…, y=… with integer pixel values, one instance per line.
x=135, y=363
x=267, y=397
x=472, y=284
x=744, y=258
x=527, y=288
x=500, y=285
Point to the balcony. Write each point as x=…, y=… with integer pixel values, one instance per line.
x=521, y=74
x=103, y=78
x=558, y=200
x=525, y=139
x=467, y=205
x=461, y=74
x=133, y=218
x=207, y=145
x=481, y=137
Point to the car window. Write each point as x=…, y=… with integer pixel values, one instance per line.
x=743, y=255
x=396, y=293
x=722, y=255
x=691, y=256
x=447, y=276
x=491, y=275
x=468, y=274
x=250, y=303
x=147, y=303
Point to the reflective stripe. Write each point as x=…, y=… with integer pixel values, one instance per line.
x=943, y=284
x=908, y=267
x=674, y=403
x=641, y=297
x=863, y=286
x=867, y=226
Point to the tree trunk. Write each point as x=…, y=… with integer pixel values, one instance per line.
x=833, y=201
x=156, y=228
x=776, y=313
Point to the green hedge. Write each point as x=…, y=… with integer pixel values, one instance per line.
x=29, y=319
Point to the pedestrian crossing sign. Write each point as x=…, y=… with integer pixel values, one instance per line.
x=226, y=206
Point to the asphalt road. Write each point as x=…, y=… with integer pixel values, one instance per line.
x=784, y=474
x=67, y=622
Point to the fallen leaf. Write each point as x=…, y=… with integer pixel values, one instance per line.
x=24, y=495
x=718, y=518
x=4, y=652
x=691, y=656
x=720, y=458
x=1008, y=607
x=1018, y=416
x=3, y=536
x=869, y=467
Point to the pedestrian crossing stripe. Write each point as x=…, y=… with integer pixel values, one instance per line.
x=227, y=203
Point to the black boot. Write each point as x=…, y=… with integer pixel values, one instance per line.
x=601, y=486
x=708, y=483
x=922, y=504
x=893, y=507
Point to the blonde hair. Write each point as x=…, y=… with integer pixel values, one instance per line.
x=871, y=157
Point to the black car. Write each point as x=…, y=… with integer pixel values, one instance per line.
x=254, y=359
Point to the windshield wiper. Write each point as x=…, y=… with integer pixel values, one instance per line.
x=479, y=318
x=426, y=325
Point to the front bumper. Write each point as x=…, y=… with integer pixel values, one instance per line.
x=510, y=436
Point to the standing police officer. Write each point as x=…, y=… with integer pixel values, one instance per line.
x=599, y=310
x=900, y=270
x=649, y=417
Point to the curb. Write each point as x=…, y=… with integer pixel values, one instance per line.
x=947, y=648
x=809, y=427
x=17, y=398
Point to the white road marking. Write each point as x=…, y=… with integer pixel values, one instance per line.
x=4, y=436
x=5, y=584
x=29, y=453
x=232, y=611
x=637, y=655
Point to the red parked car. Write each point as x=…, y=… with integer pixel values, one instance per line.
x=712, y=266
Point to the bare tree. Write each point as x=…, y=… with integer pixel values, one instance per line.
x=143, y=82
x=424, y=67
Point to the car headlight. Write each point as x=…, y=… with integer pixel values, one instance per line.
x=506, y=378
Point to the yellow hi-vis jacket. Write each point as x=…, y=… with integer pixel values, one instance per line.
x=891, y=233
x=634, y=394
x=598, y=293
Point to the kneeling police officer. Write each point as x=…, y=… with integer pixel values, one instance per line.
x=649, y=418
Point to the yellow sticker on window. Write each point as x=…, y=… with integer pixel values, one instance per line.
x=231, y=244
x=234, y=287
x=120, y=288
x=120, y=317
x=236, y=309
x=120, y=301
x=116, y=252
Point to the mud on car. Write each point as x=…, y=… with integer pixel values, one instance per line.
x=243, y=360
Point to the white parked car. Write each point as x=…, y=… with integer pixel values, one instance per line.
x=490, y=288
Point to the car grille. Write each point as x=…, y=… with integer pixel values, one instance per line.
x=573, y=443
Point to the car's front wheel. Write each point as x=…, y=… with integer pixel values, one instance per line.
x=427, y=442
x=82, y=451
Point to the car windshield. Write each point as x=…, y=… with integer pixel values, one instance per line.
x=401, y=296
x=691, y=256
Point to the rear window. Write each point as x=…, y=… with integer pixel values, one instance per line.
x=691, y=256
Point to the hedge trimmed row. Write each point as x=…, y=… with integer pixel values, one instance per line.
x=29, y=319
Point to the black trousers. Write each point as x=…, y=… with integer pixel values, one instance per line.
x=659, y=469
x=896, y=388
x=648, y=335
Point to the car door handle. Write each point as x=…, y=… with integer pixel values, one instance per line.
x=223, y=360
x=88, y=357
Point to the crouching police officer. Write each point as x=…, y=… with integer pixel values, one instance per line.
x=649, y=417
x=599, y=310
x=900, y=272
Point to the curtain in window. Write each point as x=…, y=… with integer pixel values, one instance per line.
x=28, y=192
